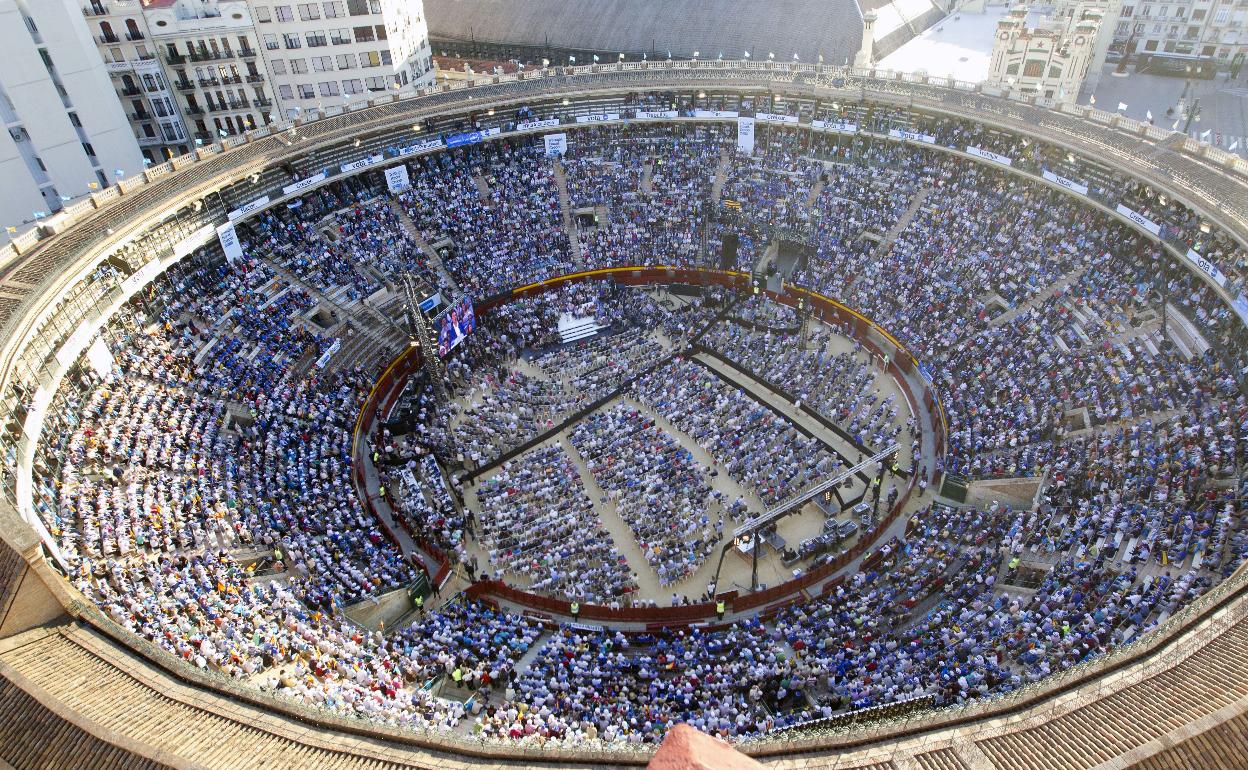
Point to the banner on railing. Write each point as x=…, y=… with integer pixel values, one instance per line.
x=839, y=126
x=989, y=155
x=656, y=114
x=913, y=136
x=471, y=137
x=771, y=117
x=603, y=118
x=356, y=165
x=397, y=178
x=1206, y=267
x=422, y=146
x=529, y=125
x=229, y=242
x=329, y=353
x=715, y=113
x=556, y=144
x=1069, y=184
x=304, y=184
x=1140, y=219
x=745, y=136
x=247, y=208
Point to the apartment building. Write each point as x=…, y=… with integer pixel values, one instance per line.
x=124, y=42
x=327, y=53
x=1214, y=28
x=212, y=59
x=67, y=135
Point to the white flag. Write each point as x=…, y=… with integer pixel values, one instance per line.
x=1204, y=137
x=1149, y=115
x=1092, y=99
x=1234, y=144
x=1175, y=127
x=1122, y=105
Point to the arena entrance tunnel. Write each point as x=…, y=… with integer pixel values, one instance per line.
x=895, y=359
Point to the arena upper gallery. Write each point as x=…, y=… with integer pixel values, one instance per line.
x=194, y=533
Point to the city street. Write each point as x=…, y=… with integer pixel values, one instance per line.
x=1223, y=104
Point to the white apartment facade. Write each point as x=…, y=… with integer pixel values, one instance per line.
x=330, y=52
x=130, y=57
x=1214, y=28
x=212, y=60
x=67, y=135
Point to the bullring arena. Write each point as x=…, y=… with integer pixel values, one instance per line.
x=514, y=424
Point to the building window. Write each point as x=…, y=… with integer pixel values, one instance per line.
x=271, y=43
x=316, y=39
x=340, y=36
x=369, y=59
x=363, y=34
x=291, y=40
x=285, y=92
x=298, y=66
x=263, y=14
x=328, y=88
x=323, y=63
x=309, y=11
x=357, y=7
x=381, y=31
x=334, y=10
x=346, y=61
x=279, y=66
x=283, y=13
x=385, y=57
x=90, y=150
x=353, y=86
x=376, y=83
x=306, y=91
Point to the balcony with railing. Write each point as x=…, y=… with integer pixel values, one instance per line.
x=140, y=116
x=131, y=91
x=247, y=53
x=208, y=82
x=184, y=85
x=255, y=77
x=134, y=36
x=262, y=102
x=108, y=37
x=205, y=55
x=194, y=110
x=231, y=80
x=175, y=58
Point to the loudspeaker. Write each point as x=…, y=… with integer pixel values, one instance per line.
x=728, y=253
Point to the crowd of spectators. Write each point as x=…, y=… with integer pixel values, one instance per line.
x=200, y=490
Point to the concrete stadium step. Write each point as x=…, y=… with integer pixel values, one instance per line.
x=114, y=690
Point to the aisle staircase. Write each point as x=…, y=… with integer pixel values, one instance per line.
x=569, y=221
x=1061, y=284
x=903, y=221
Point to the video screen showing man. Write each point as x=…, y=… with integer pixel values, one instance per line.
x=457, y=323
